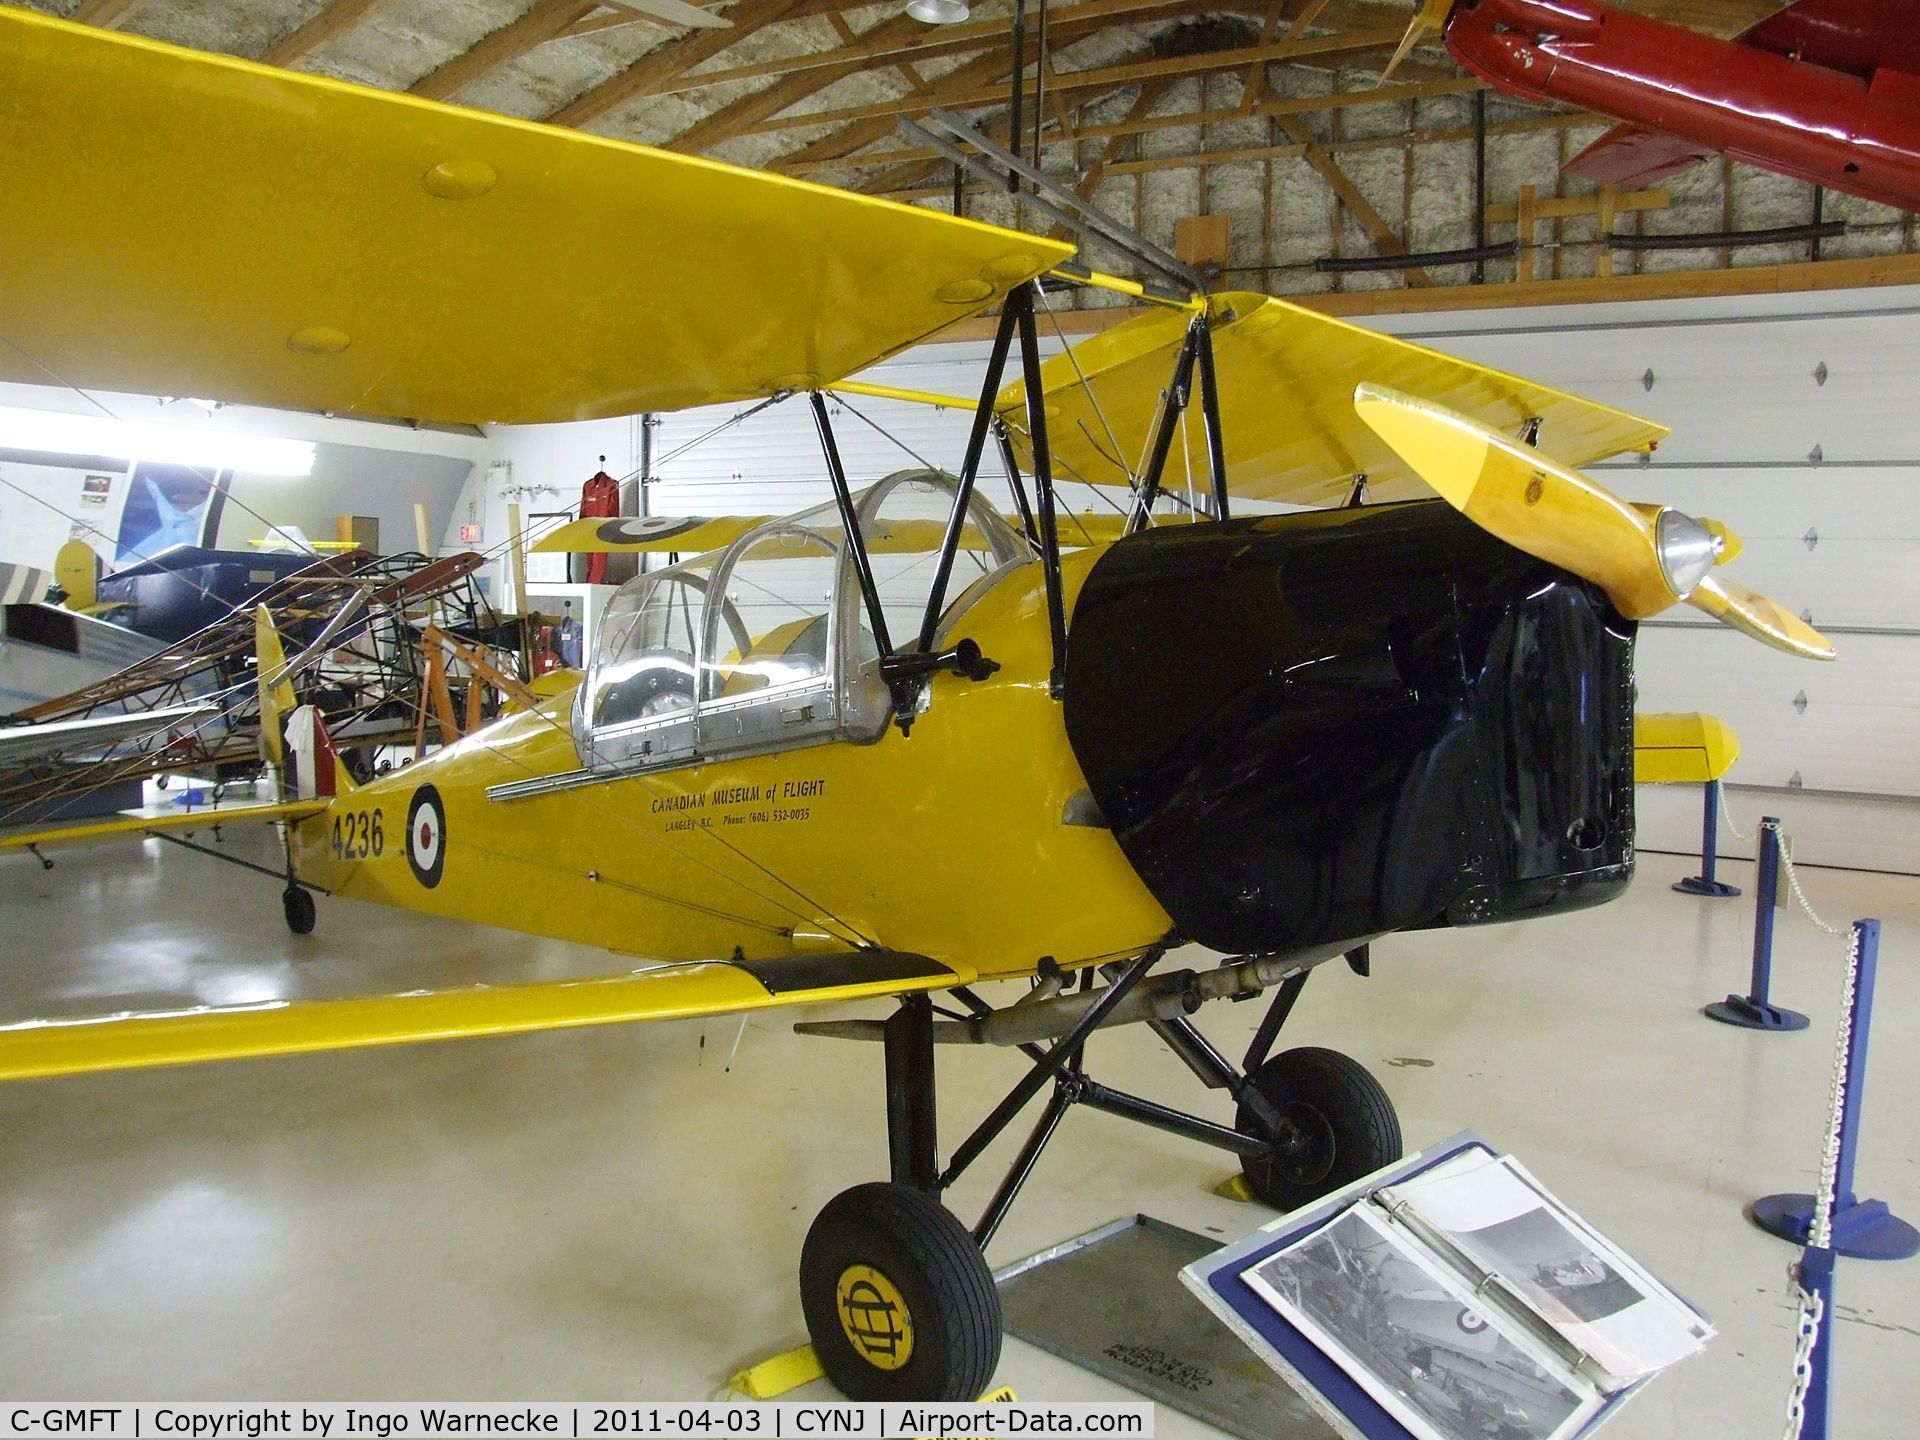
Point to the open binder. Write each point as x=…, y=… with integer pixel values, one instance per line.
x=1450, y=1297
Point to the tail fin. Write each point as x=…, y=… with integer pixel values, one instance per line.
x=293, y=736
x=276, y=690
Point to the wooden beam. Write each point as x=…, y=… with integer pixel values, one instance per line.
x=1524, y=221
x=994, y=65
x=1256, y=80
x=659, y=66
x=543, y=21
x=1602, y=228
x=1150, y=93
x=742, y=117
x=1072, y=23
x=322, y=28
x=609, y=16
x=1291, y=105
x=1303, y=105
x=1805, y=276
x=1104, y=77
x=1568, y=207
x=1531, y=125
x=107, y=14
x=1315, y=154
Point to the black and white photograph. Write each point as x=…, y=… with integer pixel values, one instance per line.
x=1443, y=1368
x=1558, y=1273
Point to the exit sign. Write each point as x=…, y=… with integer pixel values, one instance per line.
x=469, y=534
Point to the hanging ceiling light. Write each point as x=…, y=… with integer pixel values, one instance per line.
x=938, y=12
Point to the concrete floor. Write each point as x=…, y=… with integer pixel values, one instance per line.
x=616, y=1214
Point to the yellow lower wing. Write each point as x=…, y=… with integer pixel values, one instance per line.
x=136, y=824
x=36, y=1049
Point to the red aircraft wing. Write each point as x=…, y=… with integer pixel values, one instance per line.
x=1827, y=91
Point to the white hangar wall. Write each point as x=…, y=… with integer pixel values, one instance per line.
x=1758, y=441
x=1821, y=478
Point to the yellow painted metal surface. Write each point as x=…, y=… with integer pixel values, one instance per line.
x=1681, y=749
x=1287, y=377
x=646, y=534
x=184, y=223
x=74, y=569
x=38, y=1049
x=896, y=392
x=950, y=843
x=1512, y=490
x=774, y=1377
x=132, y=824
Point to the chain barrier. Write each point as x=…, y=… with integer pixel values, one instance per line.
x=1799, y=895
x=1811, y=1314
x=1727, y=815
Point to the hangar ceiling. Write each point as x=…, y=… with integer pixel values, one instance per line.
x=1272, y=116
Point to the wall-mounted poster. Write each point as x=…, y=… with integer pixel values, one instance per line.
x=169, y=505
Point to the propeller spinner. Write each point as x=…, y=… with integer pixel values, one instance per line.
x=1646, y=558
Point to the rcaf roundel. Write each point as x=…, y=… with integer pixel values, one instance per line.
x=645, y=527
x=426, y=836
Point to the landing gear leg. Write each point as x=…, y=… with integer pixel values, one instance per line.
x=899, y=1302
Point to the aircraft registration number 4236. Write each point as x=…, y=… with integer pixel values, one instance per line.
x=358, y=834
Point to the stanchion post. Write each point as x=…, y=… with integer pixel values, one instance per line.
x=1754, y=1011
x=1862, y=1229
x=1706, y=883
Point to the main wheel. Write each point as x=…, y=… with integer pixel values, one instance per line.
x=898, y=1299
x=298, y=904
x=1339, y=1125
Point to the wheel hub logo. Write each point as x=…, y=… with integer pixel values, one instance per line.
x=874, y=1315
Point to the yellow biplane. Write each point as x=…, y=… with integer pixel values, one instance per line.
x=899, y=744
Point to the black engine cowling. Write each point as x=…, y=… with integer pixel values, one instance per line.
x=1321, y=727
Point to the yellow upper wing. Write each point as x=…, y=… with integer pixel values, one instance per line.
x=1287, y=377
x=181, y=223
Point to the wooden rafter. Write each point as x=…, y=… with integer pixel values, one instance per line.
x=1135, y=124
x=1256, y=79
x=1291, y=105
x=322, y=28
x=1071, y=23
x=659, y=66
x=743, y=116
x=1204, y=160
x=609, y=16
x=543, y=21
x=108, y=14
x=1315, y=154
x=1149, y=96
x=1103, y=78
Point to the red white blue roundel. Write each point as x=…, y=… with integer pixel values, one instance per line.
x=635, y=528
x=426, y=836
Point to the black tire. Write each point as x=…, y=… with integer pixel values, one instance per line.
x=946, y=1346
x=1342, y=1124
x=298, y=904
